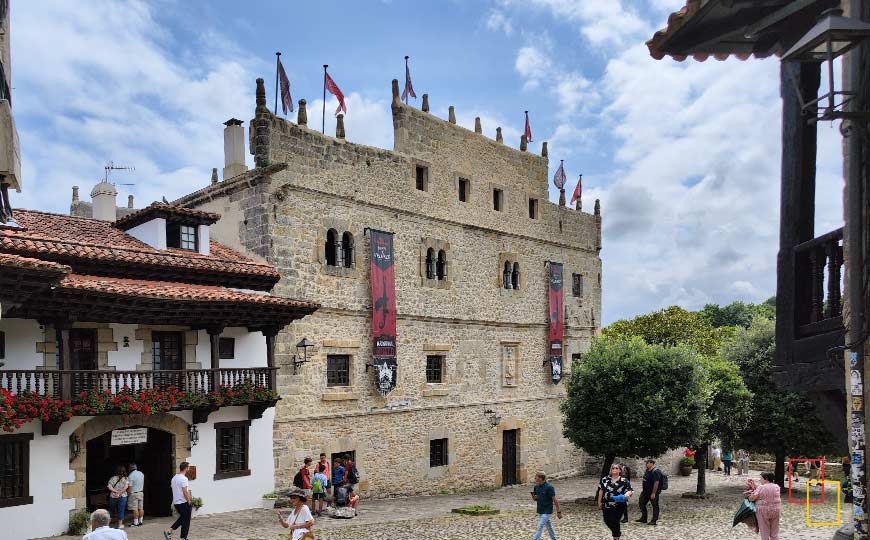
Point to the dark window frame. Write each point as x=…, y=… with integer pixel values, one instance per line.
x=515, y=276
x=421, y=177
x=497, y=199
x=178, y=238
x=463, y=188
x=22, y=441
x=220, y=427
x=157, y=336
x=439, y=455
x=533, y=208
x=330, y=249
x=577, y=284
x=77, y=338
x=506, y=275
x=226, y=348
x=430, y=263
x=337, y=376
x=435, y=364
x=441, y=265
x=346, y=250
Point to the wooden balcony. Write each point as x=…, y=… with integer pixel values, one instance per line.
x=196, y=384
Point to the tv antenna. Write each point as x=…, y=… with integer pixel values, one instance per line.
x=110, y=166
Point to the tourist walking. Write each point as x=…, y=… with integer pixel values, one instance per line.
x=100, y=529
x=181, y=500
x=318, y=488
x=300, y=520
x=626, y=473
x=727, y=459
x=717, y=458
x=326, y=470
x=650, y=491
x=613, y=494
x=302, y=480
x=742, y=462
x=118, y=486
x=768, y=507
x=544, y=494
x=136, y=499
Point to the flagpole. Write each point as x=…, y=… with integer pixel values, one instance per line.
x=277, y=61
x=406, y=78
x=323, y=121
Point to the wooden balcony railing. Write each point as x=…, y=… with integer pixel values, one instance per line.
x=819, y=309
x=70, y=384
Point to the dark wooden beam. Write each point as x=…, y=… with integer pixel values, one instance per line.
x=214, y=337
x=271, y=333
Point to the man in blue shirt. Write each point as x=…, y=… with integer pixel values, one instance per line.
x=338, y=472
x=545, y=495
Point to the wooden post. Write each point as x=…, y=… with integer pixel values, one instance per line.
x=797, y=205
x=270, y=334
x=63, y=349
x=214, y=336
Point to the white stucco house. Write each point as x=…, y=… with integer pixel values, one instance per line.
x=139, y=340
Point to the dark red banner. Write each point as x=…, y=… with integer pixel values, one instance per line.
x=383, y=311
x=557, y=321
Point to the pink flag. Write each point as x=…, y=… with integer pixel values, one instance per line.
x=409, y=88
x=577, y=190
x=336, y=91
x=559, y=177
x=286, y=98
x=528, y=128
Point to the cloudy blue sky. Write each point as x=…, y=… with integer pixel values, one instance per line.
x=684, y=156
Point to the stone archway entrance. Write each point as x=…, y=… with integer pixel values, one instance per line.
x=154, y=457
x=167, y=445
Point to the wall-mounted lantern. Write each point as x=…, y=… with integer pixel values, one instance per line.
x=831, y=37
x=193, y=431
x=75, y=446
x=297, y=360
x=493, y=417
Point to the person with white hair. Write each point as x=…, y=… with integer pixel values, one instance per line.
x=100, y=529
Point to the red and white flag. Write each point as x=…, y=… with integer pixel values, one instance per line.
x=336, y=91
x=559, y=177
x=284, y=82
x=409, y=88
x=528, y=128
x=577, y=190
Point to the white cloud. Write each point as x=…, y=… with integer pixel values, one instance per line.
x=368, y=121
x=533, y=65
x=602, y=23
x=498, y=21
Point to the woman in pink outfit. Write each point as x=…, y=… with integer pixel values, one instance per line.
x=768, y=507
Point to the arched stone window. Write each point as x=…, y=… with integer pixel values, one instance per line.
x=430, y=263
x=515, y=276
x=441, y=266
x=331, y=248
x=507, y=275
x=347, y=250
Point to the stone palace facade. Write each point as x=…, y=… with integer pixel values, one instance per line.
x=473, y=231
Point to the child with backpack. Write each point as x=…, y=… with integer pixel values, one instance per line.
x=318, y=488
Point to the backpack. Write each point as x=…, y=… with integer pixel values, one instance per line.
x=297, y=480
x=340, y=496
x=352, y=474
x=663, y=484
x=317, y=485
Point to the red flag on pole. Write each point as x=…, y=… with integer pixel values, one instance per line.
x=577, y=190
x=286, y=98
x=528, y=128
x=336, y=91
x=409, y=88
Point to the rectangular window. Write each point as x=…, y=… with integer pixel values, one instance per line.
x=422, y=176
x=83, y=348
x=338, y=370
x=463, y=190
x=167, y=351
x=232, y=449
x=497, y=200
x=181, y=236
x=577, y=284
x=533, y=208
x=15, y=470
x=438, y=452
x=226, y=348
x=434, y=369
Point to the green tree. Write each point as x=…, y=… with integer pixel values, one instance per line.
x=669, y=327
x=728, y=410
x=783, y=423
x=629, y=398
x=738, y=313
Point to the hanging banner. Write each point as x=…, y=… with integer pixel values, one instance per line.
x=557, y=321
x=383, y=311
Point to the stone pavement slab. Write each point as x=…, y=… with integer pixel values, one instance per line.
x=428, y=518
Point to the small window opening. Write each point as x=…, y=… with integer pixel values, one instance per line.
x=422, y=175
x=515, y=276
x=463, y=190
x=434, y=369
x=337, y=370
x=497, y=200
x=181, y=236
x=506, y=276
x=331, y=248
x=577, y=284
x=533, y=208
x=441, y=266
x=438, y=452
x=430, y=263
x=347, y=250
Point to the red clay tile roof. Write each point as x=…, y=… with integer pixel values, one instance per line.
x=163, y=290
x=91, y=243
x=8, y=260
x=676, y=20
x=165, y=210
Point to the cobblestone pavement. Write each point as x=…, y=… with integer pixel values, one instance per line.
x=426, y=518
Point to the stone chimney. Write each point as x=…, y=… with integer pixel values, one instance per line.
x=339, y=127
x=544, y=151
x=477, y=127
x=129, y=201
x=451, y=114
x=425, y=103
x=524, y=143
x=214, y=176
x=302, y=115
x=103, y=197
x=234, y=148
x=75, y=194
x=498, y=136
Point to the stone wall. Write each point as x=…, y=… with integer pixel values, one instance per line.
x=493, y=339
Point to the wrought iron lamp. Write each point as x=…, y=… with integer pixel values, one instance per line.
x=494, y=417
x=304, y=345
x=193, y=431
x=75, y=446
x=831, y=37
